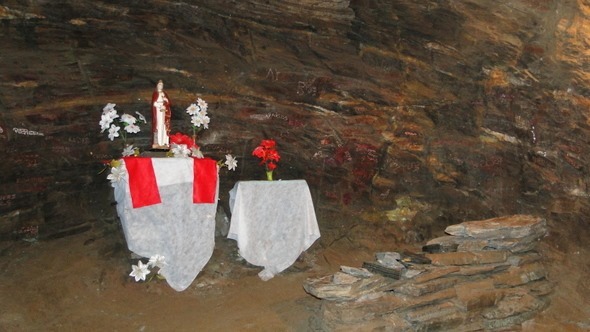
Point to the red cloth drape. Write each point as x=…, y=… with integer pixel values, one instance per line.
x=205, y=180
x=142, y=181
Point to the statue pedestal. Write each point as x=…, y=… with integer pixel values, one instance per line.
x=156, y=147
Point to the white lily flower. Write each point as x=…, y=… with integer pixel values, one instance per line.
x=128, y=119
x=231, y=162
x=132, y=128
x=192, y=109
x=113, y=132
x=200, y=119
x=129, y=151
x=109, y=108
x=141, y=117
x=105, y=122
x=180, y=150
x=206, y=121
x=140, y=271
x=157, y=261
x=202, y=105
x=196, y=152
x=117, y=174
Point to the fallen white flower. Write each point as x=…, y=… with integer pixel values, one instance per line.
x=140, y=271
x=157, y=261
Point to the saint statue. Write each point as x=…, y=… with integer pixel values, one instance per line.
x=161, y=113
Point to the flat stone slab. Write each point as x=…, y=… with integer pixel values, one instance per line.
x=344, y=287
x=451, y=243
x=468, y=257
x=515, y=226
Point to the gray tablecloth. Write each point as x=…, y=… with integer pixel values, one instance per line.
x=273, y=223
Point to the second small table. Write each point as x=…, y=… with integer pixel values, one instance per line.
x=273, y=223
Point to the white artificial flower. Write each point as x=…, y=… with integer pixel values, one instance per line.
x=132, y=128
x=157, y=261
x=109, y=108
x=113, y=132
x=196, y=152
x=141, y=117
x=140, y=271
x=117, y=174
x=128, y=119
x=206, y=121
x=192, y=109
x=129, y=151
x=180, y=150
x=231, y=162
x=200, y=119
x=202, y=105
x=105, y=122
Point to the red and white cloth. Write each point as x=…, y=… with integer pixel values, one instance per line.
x=143, y=182
x=167, y=206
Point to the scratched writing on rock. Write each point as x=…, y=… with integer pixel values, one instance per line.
x=27, y=160
x=306, y=88
x=6, y=199
x=79, y=140
x=33, y=184
x=272, y=74
x=27, y=132
x=405, y=166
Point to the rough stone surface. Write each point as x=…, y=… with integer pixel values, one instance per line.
x=473, y=109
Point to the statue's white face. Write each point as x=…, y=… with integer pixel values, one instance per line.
x=160, y=86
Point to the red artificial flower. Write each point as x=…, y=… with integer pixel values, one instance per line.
x=180, y=138
x=259, y=152
x=268, y=144
x=268, y=154
x=273, y=155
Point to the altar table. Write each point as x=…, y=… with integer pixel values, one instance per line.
x=175, y=227
x=273, y=222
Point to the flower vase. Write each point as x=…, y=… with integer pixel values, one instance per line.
x=269, y=175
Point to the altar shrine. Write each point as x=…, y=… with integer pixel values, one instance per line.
x=167, y=207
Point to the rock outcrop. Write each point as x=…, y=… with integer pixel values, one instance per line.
x=474, y=279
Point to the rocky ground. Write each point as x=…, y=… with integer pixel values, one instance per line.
x=81, y=282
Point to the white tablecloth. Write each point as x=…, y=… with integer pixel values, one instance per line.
x=178, y=229
x=273, y=223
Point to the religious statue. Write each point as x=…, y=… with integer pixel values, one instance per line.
x=161, y=113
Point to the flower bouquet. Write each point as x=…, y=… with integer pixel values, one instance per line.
x=269, y=156
x=199, y=118
x=110, y=120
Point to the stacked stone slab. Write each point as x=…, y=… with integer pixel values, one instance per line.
x=485, y=275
